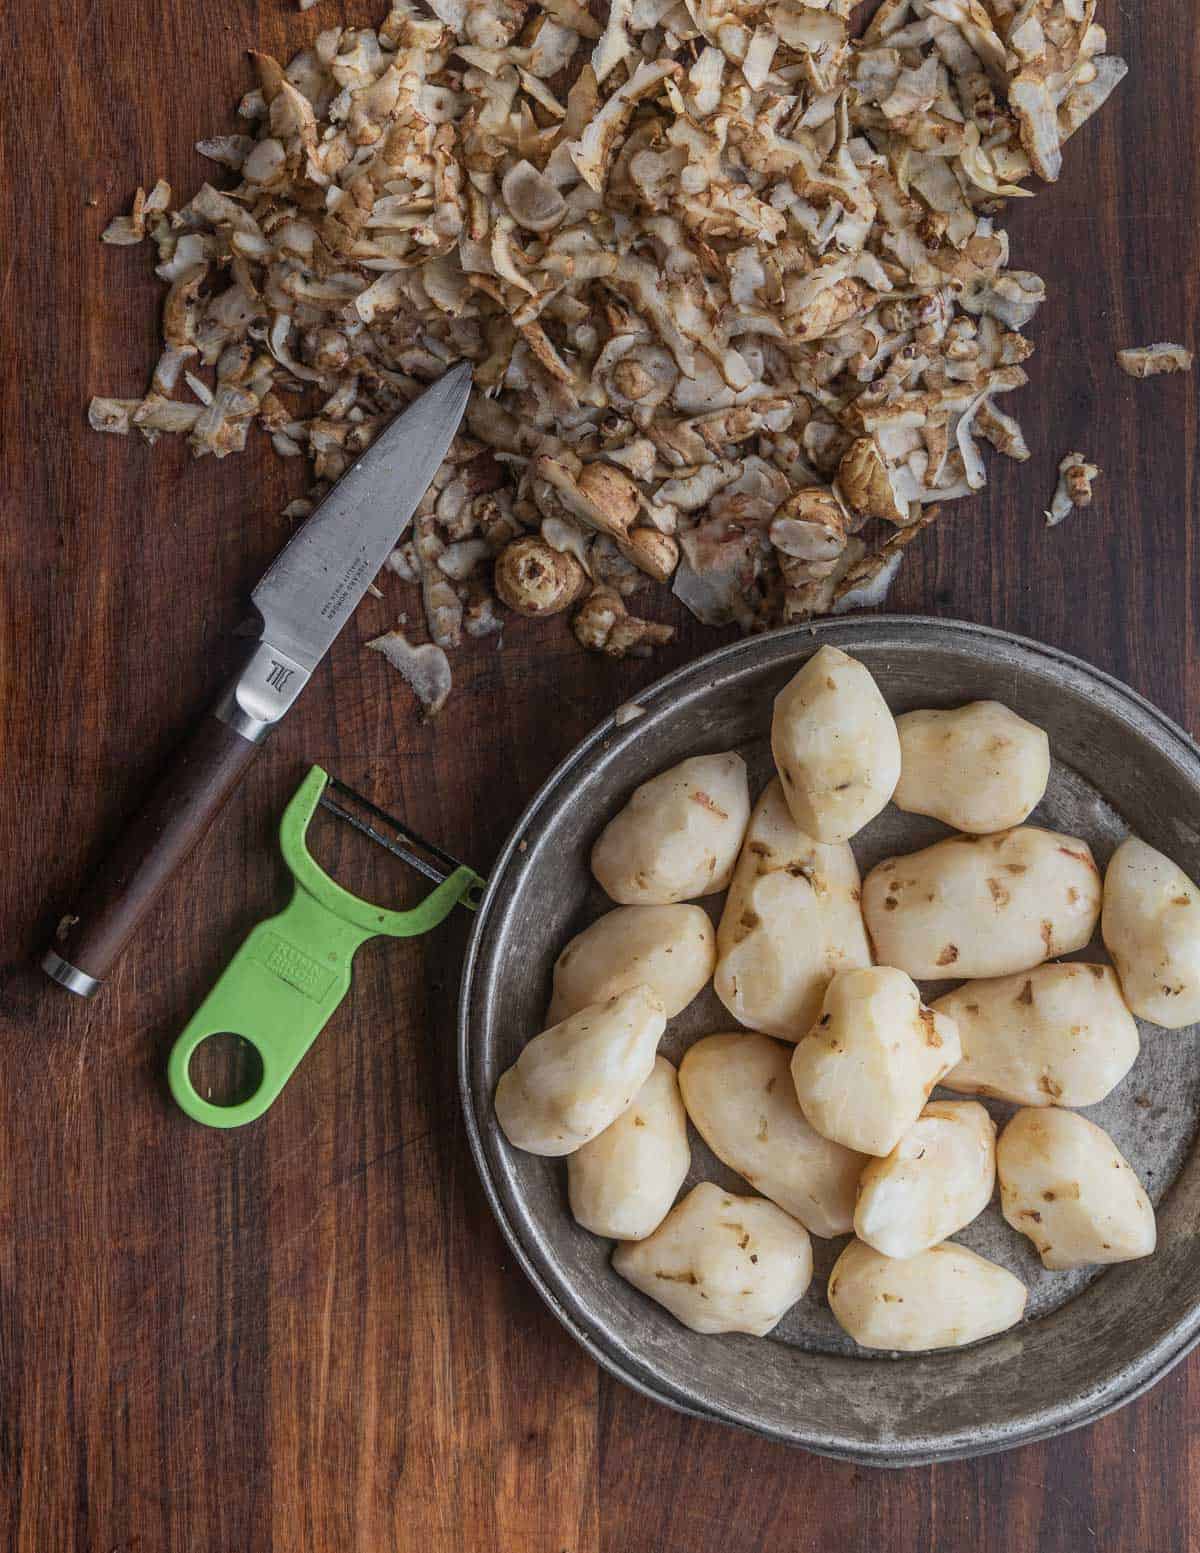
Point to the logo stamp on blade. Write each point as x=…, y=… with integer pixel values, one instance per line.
x=279, y=675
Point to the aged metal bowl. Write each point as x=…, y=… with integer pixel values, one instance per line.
x=1090, y=1341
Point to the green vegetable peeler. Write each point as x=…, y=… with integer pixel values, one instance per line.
x=294, y=969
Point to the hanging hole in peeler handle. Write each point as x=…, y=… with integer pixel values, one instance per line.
x=225, y=1069
x=221, y=1077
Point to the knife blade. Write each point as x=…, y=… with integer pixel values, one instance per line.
x=304, y=599
x=315, y=582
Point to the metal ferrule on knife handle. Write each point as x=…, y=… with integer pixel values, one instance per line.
x=265, y=689
x=306, y=596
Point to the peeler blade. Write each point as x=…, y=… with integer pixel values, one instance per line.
x=405, y=844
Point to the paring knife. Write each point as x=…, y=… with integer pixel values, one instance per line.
x=305, y=598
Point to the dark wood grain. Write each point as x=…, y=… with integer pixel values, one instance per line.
x=308, y=1336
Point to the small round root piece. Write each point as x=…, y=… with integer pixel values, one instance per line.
x=535, y=579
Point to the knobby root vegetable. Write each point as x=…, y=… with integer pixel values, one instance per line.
x=983, y=905
x=576, y=1078
x=935, y=1181
x=622, y=1183
x=739, y=1094
x=979, y=768
x=941, y=1298
x=1151, y=927
x=864, y=1071
x=1065, y=1184
x=792, y=919
x=1055, y=1035
x=721, y=1263
x=678, y=836
x=835, y=746
x=670, y=949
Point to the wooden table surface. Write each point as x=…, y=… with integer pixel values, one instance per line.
x=309, y=1335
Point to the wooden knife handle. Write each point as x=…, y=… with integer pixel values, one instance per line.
x=154, y=844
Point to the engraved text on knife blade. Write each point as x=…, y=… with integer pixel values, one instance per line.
x=351, y=581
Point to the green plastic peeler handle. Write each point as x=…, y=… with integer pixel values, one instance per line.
x=293, y=970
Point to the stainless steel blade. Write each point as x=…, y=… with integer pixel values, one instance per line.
x=317, y=579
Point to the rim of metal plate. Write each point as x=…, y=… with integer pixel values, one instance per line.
x=777, y=648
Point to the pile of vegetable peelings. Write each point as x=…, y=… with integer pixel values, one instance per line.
x=732, y=280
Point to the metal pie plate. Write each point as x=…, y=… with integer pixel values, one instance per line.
x=1091, y=1339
